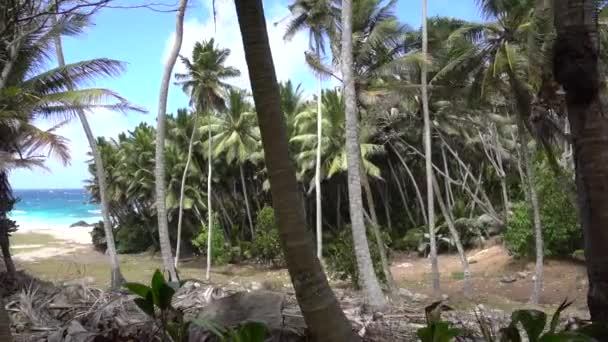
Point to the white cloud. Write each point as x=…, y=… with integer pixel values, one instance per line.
x=288, y=56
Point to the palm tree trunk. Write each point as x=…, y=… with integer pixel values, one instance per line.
x=117, y=278
x=5, y=324
x=369, y=281
x=576, y=68
x=446, y=212
x=406, y=208
x=319, y=211
x=533, y=198
x=209, y=207
x=386, y=269
x=6, y=252
x=414, y=183
x=159, y=167
x=246, y=200
x=183, y=188
x=319, y=306
x=428, y=155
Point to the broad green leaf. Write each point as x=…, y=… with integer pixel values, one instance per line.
x=138, y=289
x=555, y=319
x=533, y=321
x=165, y=296
x=146, y=304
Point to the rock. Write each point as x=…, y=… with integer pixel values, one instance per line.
x=445, y=297
x=508, y=279
x=81, y=223
x=490, y=225
x=472, y=261
x=419, y=297
x=255, y=286
x=406, y=293
x=523, y=274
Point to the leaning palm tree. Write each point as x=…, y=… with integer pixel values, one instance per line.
x=318, y=17
x=159, y=169
x=319, y=306
x=205, y=83
x=369, y=280
x=235, y=134
x=576, y=68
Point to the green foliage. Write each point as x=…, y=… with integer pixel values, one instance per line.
x=266, y=243
x=437, y=330
x=410, y=241
x=341, y=260
x=132, y=237
x=221, y=251
x=561, y=233
x=98, y=237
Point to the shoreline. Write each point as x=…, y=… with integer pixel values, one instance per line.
x=77, y=235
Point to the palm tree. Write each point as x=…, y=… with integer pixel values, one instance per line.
x=315, y=16
x=319, y=306
x=369, y=281
x=159, y=170
x=576, y=68
x=5, y=324
x=204, y=82
x=236, y=136
x=428, y=154
x=116, y=277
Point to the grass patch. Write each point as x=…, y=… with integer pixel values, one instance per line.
x=458, y=275
x=33, y=239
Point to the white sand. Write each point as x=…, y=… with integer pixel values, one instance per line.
x=79, y=235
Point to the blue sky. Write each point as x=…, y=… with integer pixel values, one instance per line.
x=142, y=38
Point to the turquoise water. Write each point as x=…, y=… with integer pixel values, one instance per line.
x=54, y=207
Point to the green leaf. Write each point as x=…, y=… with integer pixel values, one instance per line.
x=138, y=289
x=533, y=321
x=146, y=304
x=510, y=334
x=158, y=281
x=555, y=319
x=253, y=332
x=166, y=293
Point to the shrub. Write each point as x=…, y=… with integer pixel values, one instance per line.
x=221, y=252
x=341, y=260
x=561, y=233
x=266, y=243
x=132, y=238
x=98, y=237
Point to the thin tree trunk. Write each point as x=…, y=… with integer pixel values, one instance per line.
x=338, y=208
x=446, y=212
x=117, y=278
x=401, y=193
x=428, y=155
x=319, y=211
x=386, y=269
x=5, y=324
x=538, y=230
x=371, y=287
x=416, y=188
x=183, y=188
x=209, y=205
x=246, y=201
x=159, y=167
x=321, y=310
x=576, y=67
x=6, y=253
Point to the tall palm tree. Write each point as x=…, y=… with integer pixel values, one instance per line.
x=319, y=306
x=116, y=278
x=315, y=16
x=428, y=154
x=236, y=135
x=5, y=324
x=205, y=83
x=369, y=280
x=159, y=169
x=576, y=68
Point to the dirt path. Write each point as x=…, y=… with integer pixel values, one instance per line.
x=497, y=278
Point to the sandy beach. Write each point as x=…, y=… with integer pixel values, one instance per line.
x=35, y=246
x=79, y=235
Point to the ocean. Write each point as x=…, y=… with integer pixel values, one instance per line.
x=48, y=208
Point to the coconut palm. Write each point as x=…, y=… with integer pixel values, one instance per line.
x=319, y=306
x=235, y=135
x=204, y=82
x=159, y=169
x=318, y=17
x=576, y=68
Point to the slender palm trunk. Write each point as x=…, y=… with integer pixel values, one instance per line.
x=386, y=269
x=415, y=184
x=446, y=212
x=246, y=200
x=576, y=67
x=209, y=207
x=319, y=306
x=369, y=281
x=538, y=230
x=159, y=167
x=5, y=324
x=428, y=155
x=319, y=211
x=183, y=188
x=406, y=208
x=6, y=252
x=117, y=278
